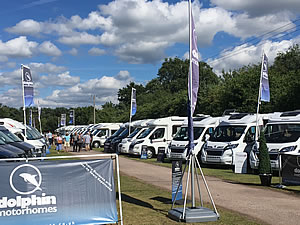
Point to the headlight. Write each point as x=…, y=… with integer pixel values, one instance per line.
x=231, y=146
x=288, y=149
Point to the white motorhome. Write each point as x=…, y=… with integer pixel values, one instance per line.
x=157, y=136
x=204, y=126
x=31, y=135
x=282, y=133
x=103, y=132
x=234, y=134
x=139, y=127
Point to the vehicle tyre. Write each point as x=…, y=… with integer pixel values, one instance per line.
x=96, y=144
x=150, y=153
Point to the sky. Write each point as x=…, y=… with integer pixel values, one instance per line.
x=77, y=49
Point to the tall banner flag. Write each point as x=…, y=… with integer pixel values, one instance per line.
x=30, y=117
x=53, y=192
x=193, y=79
x=27, y=84
x=39, y=113
x=71, y=117
x=63, y=120
x=133, y=102
x=265, y=91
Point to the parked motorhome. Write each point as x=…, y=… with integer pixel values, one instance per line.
x=204, y=126
x=234, y=134
x=103, y=131
x=157, y=136
x=282, y=134
x=107, y=143
x=31, y=136
x=139, y=127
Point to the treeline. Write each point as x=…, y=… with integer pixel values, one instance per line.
x=166, y=94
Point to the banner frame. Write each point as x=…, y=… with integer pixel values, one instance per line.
x=95, y=156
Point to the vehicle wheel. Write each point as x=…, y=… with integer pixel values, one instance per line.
x=96, y=144
x=150, y=153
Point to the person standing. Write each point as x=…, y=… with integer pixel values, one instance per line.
x=66, y=142
x=59, y=143
x=87, y=141
x=75, y=140
x=91, y=143
x=79, y=142
x=50, y=138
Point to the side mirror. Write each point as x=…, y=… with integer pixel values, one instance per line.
x=207, y=136
x=164, y=140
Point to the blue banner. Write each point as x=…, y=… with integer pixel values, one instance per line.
x=176, y=177
x=71, y=117
x=27, y=86
x=265, y=91
x=56, y=192
x=133, y=101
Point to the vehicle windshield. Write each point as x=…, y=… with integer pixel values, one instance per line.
x=5, y=138
x=36, y=132
x=30, y=135
x=2, y=142
x=136, y=130
x=124, y=133
x=145, y=133
x=227, y=133
x=118, y=132
x=282, y=133
x=182, y=134
x=12, y=136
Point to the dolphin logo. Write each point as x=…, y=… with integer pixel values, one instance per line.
x=28, y=178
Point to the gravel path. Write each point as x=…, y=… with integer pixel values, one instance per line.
x=272, y=207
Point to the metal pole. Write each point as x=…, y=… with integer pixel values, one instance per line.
x=119, y=189
x=94, y=110
x=24, y=108
x=258, y=100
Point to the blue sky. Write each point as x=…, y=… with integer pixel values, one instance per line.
x=76, y=49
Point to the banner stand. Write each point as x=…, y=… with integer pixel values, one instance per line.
x=280, y=185
x=96, y=156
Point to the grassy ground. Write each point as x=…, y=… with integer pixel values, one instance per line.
x=227, y=174
x=146, y=204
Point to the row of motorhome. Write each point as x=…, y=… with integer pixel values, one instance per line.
x=217, y=139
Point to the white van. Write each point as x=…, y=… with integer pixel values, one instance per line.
x=103, y=132
x=204, y=126
x=234, y=134
x=282, y=134
x=157, y=136
x=32, y=137
x=139, y=127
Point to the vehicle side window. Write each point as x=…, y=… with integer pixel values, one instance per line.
x=250, y=135
x=175, y=129
x=159, y=133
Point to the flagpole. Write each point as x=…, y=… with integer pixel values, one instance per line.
x=259, y=96
x=24, y=108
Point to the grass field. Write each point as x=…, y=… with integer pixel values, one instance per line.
x=146, y=204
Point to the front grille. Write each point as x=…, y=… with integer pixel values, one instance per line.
x=215, y=153
x=273, y=156
x=177, y=150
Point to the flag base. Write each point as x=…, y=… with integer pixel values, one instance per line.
x=193, y=215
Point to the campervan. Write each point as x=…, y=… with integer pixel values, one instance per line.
x=234, y=134
x=157, y=136
x=282, y=133
x=139, y=127
x=31, y=136
x=121, y=133
x=103, y=131
x=204, y=126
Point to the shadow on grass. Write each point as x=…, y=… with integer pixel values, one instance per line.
x=135, y=201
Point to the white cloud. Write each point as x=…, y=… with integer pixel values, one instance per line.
x=18, y=47
x=80, y=39
x=63, y=79
x=26, y=27
x=49, y=48
x=249, y=54
x=258, y=7
x=96, y=51
x=73, y=52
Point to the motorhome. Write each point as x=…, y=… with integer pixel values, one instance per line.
x=236, y=133
x=109, y=144
x=31, y=137
x=282, y=133
x=139, y=127
x=157, y=137
x=203, y=126
x=103, y=131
